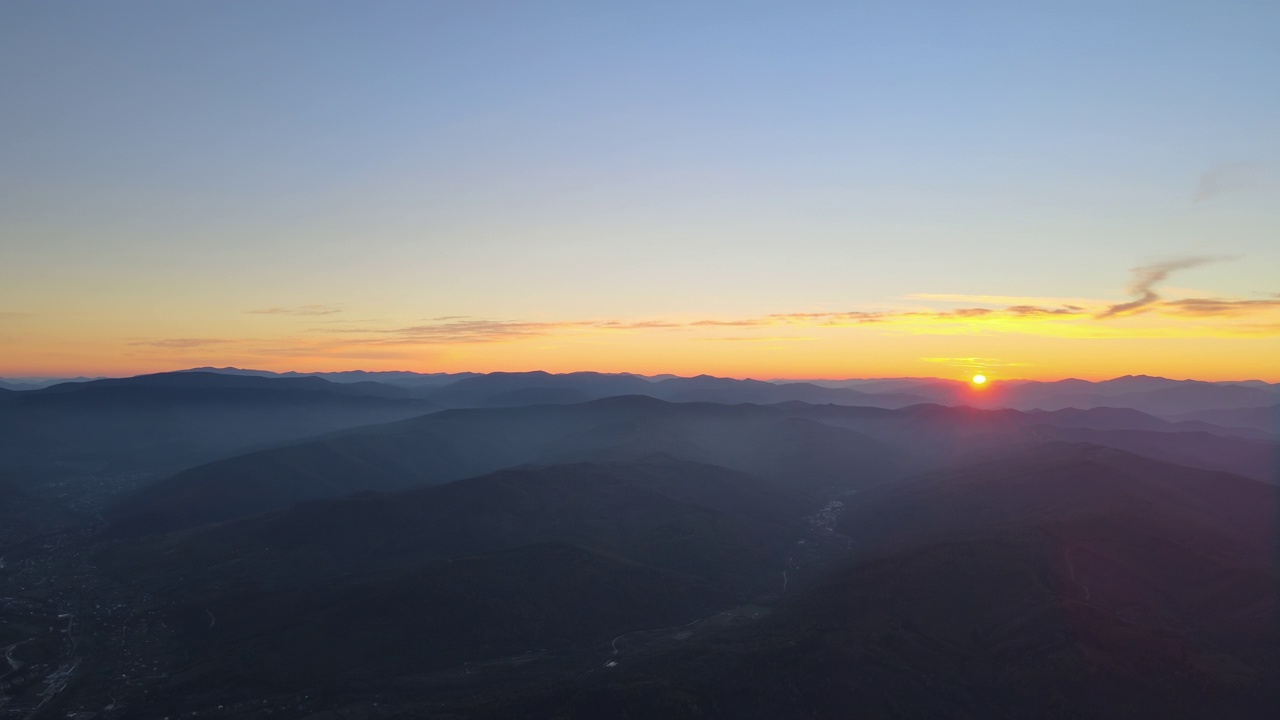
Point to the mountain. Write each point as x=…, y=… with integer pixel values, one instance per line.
x=386, y=377
x=1255, y=459
x=814, y=457
x=705, y=388
x=1062, y=581
x=1157, y=396
x=36, y=383
x=507, y=389
x=1153, y=395
x=215, y=381
x=820, y=449
x=1108, y=418
x=944, y=435
x=511, y=389
x=156, y=424
x=1265, y=418
x=545, y=559
x=635, y=557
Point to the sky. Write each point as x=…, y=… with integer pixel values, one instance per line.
x=770, y=190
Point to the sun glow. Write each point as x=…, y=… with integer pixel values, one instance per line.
x=979, y=379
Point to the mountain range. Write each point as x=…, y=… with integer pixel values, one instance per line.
x=240, y=544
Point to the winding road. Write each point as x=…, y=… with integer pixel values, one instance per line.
x=614, y=644
x=8, y=656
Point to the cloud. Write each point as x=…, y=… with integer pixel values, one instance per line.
x=1216, y=307
x=467, y=331
x=306, y=310
x=746, y=322
x=998, y=299
x=854, y=317
x=973, y=362
x=1228, y=178
x=475, y=330
x=638, y=325
x=1033, y=310
x=964, y=313
x=1058, y=317
x=1145, y=279
x=761, y=338
x=180, y=343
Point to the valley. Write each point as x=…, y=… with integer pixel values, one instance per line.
x=633, y=553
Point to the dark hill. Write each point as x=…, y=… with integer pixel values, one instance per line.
x=705, y=388
x=511, y=389
x=546, y=559
x=192, y=380
x=1109, y=418
x=1254, y=459
x=1265, y=418
x=1157, y=396
x=161, y=423
x=816, y=458
x=820, y=450
x=1065, y=582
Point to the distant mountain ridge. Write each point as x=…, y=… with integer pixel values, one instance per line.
x=161, y=423
x=1153, y=395
x=811, y=447
x=36, y=383
x=1163, y=397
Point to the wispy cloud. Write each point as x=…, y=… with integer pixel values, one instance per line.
x=1145, y=279
x=973, y=363
x=760, y=338
x=181, y=343
x=304, y=310
x=1147, y=314
x=848, y=317
x=453, y=331
x=1228, y=178
x=636, y=325
x=1216, y=307
x=1062, y=320
x=1035, y=311
x=998, y=299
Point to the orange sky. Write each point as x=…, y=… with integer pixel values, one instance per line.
x=927, y=335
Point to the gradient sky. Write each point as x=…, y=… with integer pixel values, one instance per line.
x=793, y=189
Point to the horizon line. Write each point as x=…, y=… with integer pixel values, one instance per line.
x=775, y=379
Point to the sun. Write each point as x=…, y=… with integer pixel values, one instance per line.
x=979, y=379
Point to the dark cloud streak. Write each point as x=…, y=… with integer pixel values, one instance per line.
x=180, y=343
x=304, y=310
x=1145, y=279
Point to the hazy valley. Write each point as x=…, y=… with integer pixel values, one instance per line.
x=241, y=544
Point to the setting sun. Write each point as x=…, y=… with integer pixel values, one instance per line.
x=979, y=380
